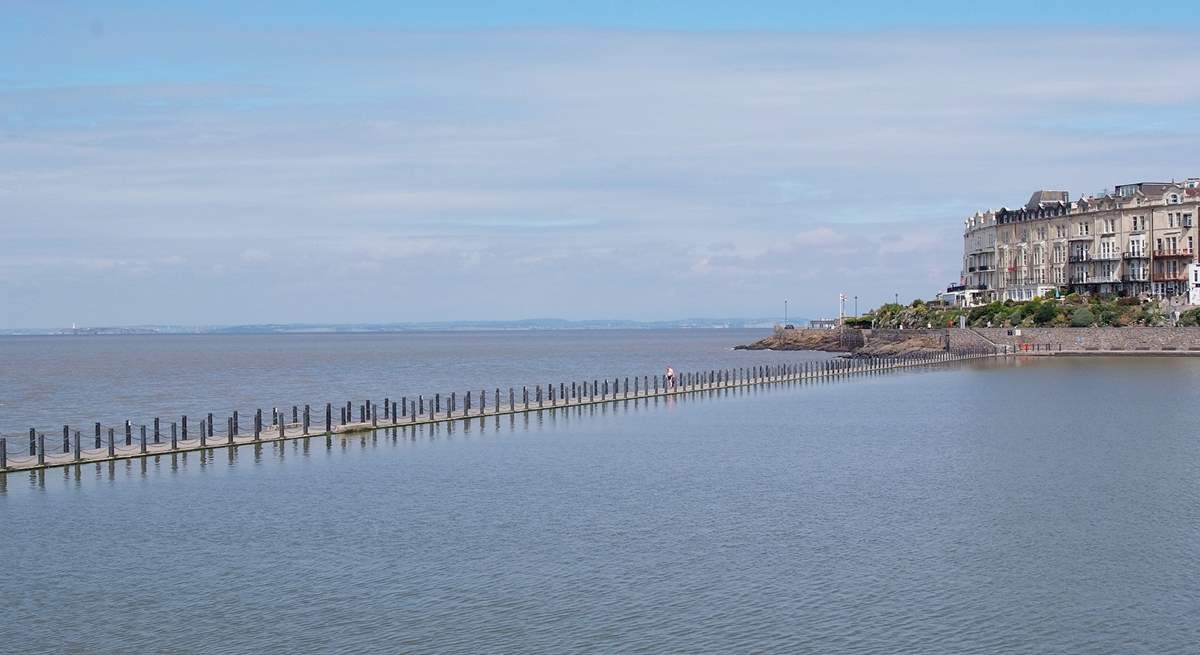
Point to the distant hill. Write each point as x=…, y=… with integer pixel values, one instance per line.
x=523, y=324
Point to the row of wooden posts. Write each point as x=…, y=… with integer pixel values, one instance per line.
x=439, y=408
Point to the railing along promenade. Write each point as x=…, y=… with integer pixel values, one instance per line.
x=103, y=444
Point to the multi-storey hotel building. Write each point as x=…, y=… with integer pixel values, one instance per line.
x=1140, y=240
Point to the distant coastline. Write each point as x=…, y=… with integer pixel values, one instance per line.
x=384, y=328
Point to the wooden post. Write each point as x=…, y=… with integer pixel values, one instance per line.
x=307, y=420
x=66, y=439
x=3, y=453
x=421, y=404
x=282, y=426
x=437, y=404
x=32, y=442
x=467, y=404
x=128, y=433
x=77, y=445
x=143, y=444
x=97, y=436
x=257, y=424
x=482, y=402
x=204, y=430
x=328, y=418
x=174, y=437
x=295, y=414
x=183, y=427
x=230, y=429
x=395, y=419
x=209, y=424
x=235, y=422
x=41, y=449
x=374, y=409
x=112, y=444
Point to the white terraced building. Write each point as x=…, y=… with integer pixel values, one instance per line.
x=1139, y=240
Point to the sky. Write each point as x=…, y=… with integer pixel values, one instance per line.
x=249, y=162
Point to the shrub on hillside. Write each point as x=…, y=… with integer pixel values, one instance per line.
x=1082, y=317
x=1045, y=313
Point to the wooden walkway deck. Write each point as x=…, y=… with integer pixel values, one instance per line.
x=693, y=383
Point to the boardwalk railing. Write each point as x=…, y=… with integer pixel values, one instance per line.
x=108, y=444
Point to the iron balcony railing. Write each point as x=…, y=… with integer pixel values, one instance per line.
x=1178, y=276
x=1178, y=252
x=1135, y=255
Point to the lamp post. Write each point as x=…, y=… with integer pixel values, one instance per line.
x=856, y=305
x=785, y=311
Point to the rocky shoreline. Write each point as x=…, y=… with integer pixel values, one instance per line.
x=852, y=342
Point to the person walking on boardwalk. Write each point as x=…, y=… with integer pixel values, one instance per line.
x=670, y=377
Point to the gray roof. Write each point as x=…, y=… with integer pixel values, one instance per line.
x=1044, y=196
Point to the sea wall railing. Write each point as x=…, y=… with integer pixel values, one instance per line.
x=128, y=441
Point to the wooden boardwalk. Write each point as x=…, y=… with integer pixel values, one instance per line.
x=544, y=399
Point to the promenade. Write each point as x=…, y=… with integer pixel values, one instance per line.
x=73, y=447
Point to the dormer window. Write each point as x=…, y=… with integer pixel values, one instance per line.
x=1174, y=198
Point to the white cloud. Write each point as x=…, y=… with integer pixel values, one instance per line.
x=255, y=256
x=711, y=168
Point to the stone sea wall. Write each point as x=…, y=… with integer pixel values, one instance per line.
x=1135, y=339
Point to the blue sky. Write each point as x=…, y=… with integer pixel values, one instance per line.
x=228, y=162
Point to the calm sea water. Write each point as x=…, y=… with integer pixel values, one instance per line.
x=1043, y=506
x=46, y=382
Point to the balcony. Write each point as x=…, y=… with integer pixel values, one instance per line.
x=1106, y=256
x=1135, y=255
x=985, y=268
x=1081, y=237
x=1179, y=276
x=1075, y=258
x=1139, y=276
x=1179, y=252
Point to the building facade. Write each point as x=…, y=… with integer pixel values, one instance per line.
x=1139, y=240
